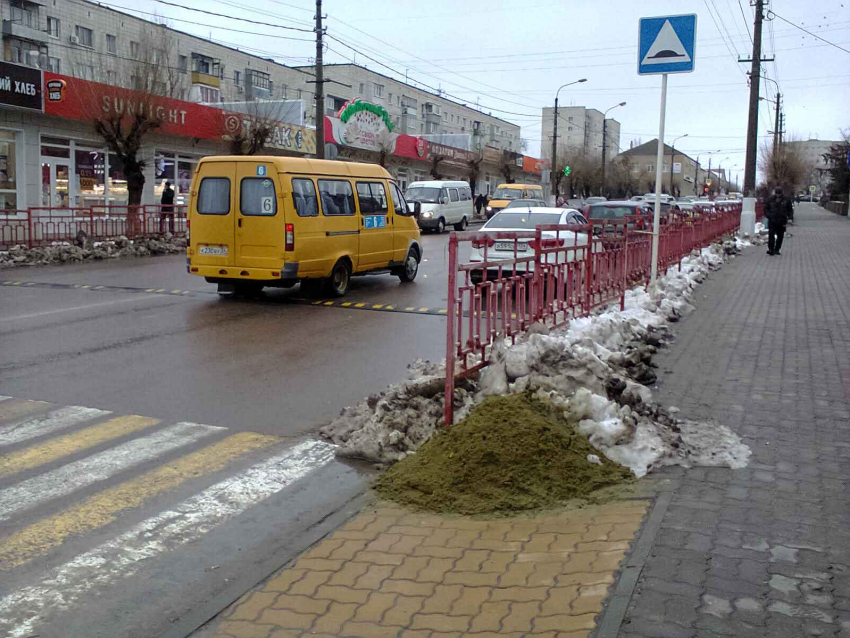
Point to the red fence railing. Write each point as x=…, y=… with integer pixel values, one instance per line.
x=553, y=274
x=43, y=226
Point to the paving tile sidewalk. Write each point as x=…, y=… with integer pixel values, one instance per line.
x=391, y=573
x=763, y=551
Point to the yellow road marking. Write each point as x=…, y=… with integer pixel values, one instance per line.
x=102, y=509
x=16, y=283
x=160, y=290
x=442, y=311
x=377, y=306
x=14, y=408
x=389, y=308
x=58, y=447
x=175, y=292
x=359, y=305
x=150, y=290
x=345, y=304
x=329, y=303
x=86, y=286
x=423, y=310
x=410, y=309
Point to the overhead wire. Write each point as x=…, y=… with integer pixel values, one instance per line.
x=229, y=17
x=814, y=35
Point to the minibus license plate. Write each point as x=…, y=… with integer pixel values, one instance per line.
x=213, y=250
x=509, y=246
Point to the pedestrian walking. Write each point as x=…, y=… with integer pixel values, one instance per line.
x=776, y=212
x=789, y=208
x=479, y=204
x=167, y=209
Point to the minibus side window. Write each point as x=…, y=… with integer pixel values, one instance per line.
x=373, y=198
x=304, y=198
x=214, y=196
x=399, y=203
x=257, y=197
x=337, y=197
x=453, y=194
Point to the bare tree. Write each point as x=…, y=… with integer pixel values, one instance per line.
x=783, y=166
x=251, y=125
x=435, y=167
x=474, y=172
x=128, y=120
x=839, y=171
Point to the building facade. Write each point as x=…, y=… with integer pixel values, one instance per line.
x=812, y=152
x=681, y=174
x=580, y=131
x=415, y=111
x=205, y=92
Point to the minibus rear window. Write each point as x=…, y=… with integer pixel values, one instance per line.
x=257, y=197
x=214, y=196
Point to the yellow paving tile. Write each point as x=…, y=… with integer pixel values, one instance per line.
x=103, y=508
x=57, y=447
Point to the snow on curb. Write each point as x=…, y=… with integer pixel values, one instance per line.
x=596, y=368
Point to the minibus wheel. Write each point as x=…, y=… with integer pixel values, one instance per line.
x=339, y=279
x=410, y=268
x=461, y=225
x=441, y=226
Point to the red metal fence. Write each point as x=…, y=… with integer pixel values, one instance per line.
x=570, y=271
x=42, y=226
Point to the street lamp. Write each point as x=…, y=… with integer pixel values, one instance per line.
x=605, y=139
x=720, y=170
x=673, y=159
x=555, y=138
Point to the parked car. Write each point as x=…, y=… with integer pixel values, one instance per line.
x=438, y=203
x=526, y=203
x=595, y=200
x=510, y=221
x=613, y=211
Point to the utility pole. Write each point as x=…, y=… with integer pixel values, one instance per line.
x=781, y=129
x=696, y=176
x=776, y=126
x=320, y=86
x=555, y=153
x=753, y=122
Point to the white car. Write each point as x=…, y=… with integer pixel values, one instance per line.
x=526, y=221
x=440, y=203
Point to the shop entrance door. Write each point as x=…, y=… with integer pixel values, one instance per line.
x=56, y=184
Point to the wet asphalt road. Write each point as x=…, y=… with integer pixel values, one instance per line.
x=274, y=364
x=177, y=533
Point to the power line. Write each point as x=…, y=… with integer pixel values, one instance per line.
x=746, y=22
x=814, y=35
x=201, y=24
x=222, y=15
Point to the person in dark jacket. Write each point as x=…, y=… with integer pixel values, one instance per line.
x=167, y=209
x=776, y=212
x=479, y=204
x=789, y=208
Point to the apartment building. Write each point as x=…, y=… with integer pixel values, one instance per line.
x=416, y=111
x=580, y=131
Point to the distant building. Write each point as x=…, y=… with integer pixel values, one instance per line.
x=681, y=174
x=812, y=152
x=579, y=132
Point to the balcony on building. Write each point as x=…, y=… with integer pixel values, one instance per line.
x=25, y=22
x=433, y=113
x=206, y=71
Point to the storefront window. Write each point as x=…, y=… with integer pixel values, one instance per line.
x=8, y=171
x=117, y=183
x=164, y=166
x=185, y=173
x=89, y=173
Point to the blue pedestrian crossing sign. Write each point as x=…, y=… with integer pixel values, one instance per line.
x=667, y=44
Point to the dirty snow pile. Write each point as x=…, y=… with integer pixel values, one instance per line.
x=596, y=369
x=85, y=250
x=758, y=238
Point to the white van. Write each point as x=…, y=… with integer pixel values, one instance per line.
x=439, y=203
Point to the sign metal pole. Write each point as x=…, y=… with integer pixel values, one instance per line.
x=659, y=164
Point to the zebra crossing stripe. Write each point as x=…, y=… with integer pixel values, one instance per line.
x=54, y=420
x=80, y=474
x=61, y=446
x=101, y=509
x=22, y=611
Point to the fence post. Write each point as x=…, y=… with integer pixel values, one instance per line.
x=29, y=228
x=448, y=410
x=588, y=284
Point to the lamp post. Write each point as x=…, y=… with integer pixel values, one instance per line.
x=720, y=170
x=696, y=171
x=673, y=159
x=605, y=140
x=555, y=139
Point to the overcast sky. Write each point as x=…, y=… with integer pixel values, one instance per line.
x=511, y=57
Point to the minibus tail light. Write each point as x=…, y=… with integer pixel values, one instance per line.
x=290, y=237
